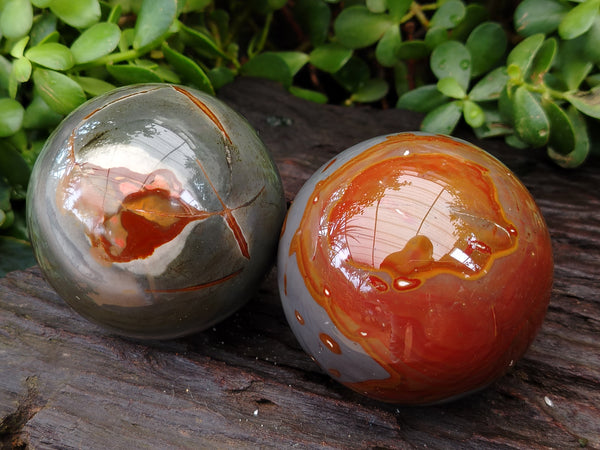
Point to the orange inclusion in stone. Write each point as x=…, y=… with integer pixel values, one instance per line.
x=126, y=214
x=299, y=317
x=330, y=343
x=334, y=372
x=383, y=227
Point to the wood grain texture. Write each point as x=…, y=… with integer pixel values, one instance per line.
x=65, y=383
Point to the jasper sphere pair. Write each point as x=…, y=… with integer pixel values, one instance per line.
x=413, y=268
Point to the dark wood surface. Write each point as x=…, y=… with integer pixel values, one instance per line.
x=245, y=383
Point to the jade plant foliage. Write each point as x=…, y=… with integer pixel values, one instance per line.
x=532, y=80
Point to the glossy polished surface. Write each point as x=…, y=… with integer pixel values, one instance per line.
x=415, y=268
x=154, y=210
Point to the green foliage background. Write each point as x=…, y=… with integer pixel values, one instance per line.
x=532, y=80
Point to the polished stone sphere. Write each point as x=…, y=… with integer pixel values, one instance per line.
x=154, y=210
x=415, y=268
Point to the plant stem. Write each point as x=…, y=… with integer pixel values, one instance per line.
x=418, y=9
x=113, y=58
x=545, y=90
x=264, y=34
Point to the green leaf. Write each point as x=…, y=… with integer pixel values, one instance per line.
x=553, y=81
x=562, y=133
x=493, y=125
x=357, y=27
x=188, y=69
x=202, y=43
x=51, y=55
x=473, y=114
x=572, y=63
x=539, y=16
x=593, y=80
x=59, y=91
x=474, y=15
x=443, y=119
x=398, y=9
x=515, y=142
x=448, y=15
x=115, y=14
x=531, y=123
x=412, y=50
x=78, y=14
x=44, y=25
x=4, y=197
x=220, y=76
x=308, y=94
x=451, y=88
x=514, y=74
x=582, y=143
x=587, y=102
x=13, y=86
x=294, y=60
x=452, y=59
x=18, y=49
x=313, y=16
x=97, y=41
x=5, y=71
x=543, y=60
x=17, y=254
x=436, y=36
x=523, y=54
x=41, y=3
x=11, y=116
x=269, y=66
x=21, y=70
x=14, y=168
x=196, y=5
x=490, y=87
x=578, y=20
x=166, y=74
x=486, y=44
x=6, y=218
x=353, y=75
x=132, y=74
x=153, y=22
x=387, y=47
x=126, y=41
x=376, y=6
x=505, y=104
x=422, y=99
x=371, y=91
x=591, y=49
x=39, y=116
x=94, y=86
x=51, y=37
x=401, y=82
x=330, y=57
x=16, y=18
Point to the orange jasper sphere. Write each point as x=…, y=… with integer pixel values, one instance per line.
x=415, y=268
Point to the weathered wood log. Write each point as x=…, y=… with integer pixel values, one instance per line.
x=65, y=383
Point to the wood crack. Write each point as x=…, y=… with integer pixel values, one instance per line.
x=11, y=426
